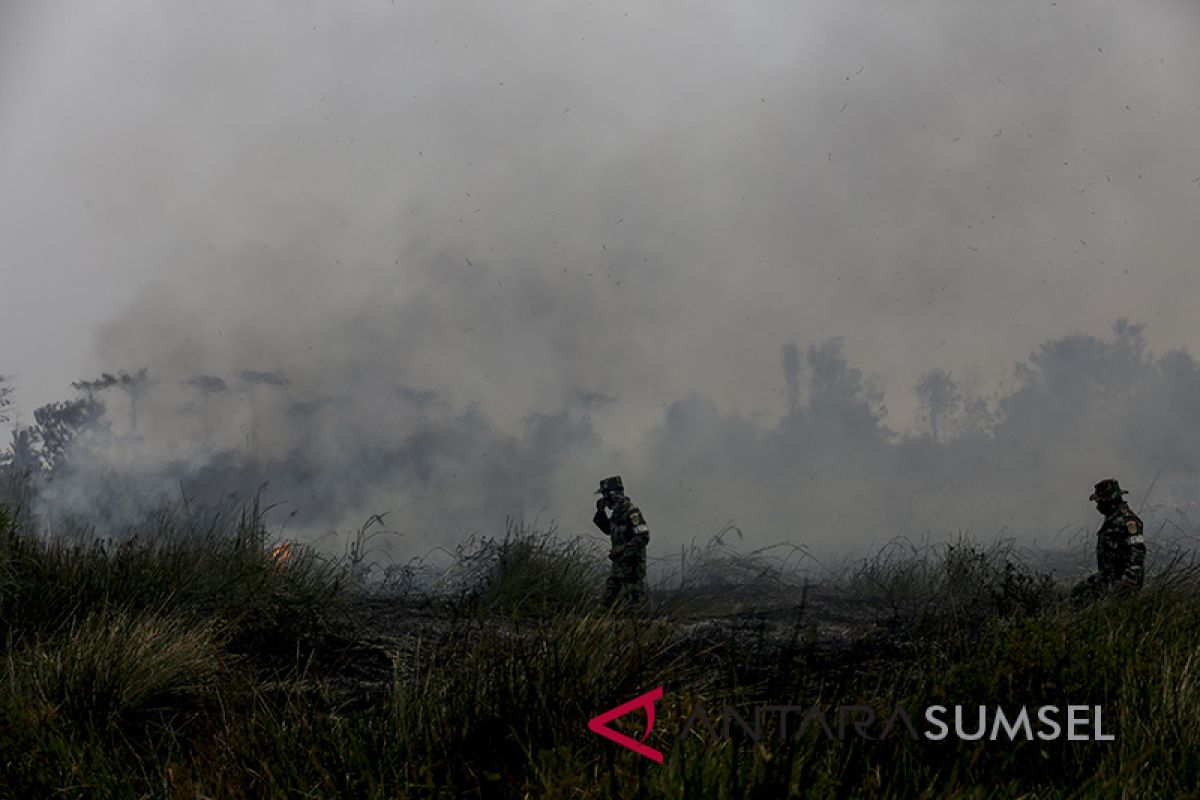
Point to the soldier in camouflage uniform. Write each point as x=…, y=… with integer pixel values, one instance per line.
x=623, y=523
x=1120, y=546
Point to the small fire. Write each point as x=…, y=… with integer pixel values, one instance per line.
x=282, y=554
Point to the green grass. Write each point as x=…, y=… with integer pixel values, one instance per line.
x=183, y=660
x=529, y=573
x=215, y=566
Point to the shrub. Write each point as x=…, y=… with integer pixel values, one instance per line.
x=530, y=573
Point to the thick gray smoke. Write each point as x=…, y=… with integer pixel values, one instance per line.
x=457, y=262
x=829, y=475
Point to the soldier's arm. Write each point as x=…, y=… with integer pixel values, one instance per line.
x=637, y=525
x=601, y=521
x=1135, y=570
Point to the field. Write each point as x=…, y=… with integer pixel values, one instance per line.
x=194, y=658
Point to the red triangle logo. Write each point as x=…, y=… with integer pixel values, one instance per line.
x=599, y=724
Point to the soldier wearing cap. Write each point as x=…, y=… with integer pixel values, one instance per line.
x=619, y=519
x=1120, y=545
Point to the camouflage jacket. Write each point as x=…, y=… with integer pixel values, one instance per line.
x=1121, y=547
x=625, y=527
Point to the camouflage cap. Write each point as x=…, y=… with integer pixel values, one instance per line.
x=1108, y=489
x=612, y=484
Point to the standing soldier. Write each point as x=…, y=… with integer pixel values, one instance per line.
x=1120, y=545
x=623, y=523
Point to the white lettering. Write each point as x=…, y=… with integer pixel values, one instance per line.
x=1044, y=716
x=933, y=720
x=1022, y=721
x=1101, y=736
x=958, y=724
x=1076, y=719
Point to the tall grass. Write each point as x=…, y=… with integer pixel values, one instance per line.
x=112, y=666
x=529, y=573
x=950, y=590
x=216, y=566
x=183, y=660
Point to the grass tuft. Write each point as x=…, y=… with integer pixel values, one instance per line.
x=112, y=666
x=530, y=573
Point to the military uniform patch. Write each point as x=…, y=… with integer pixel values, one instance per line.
x=1132, y=527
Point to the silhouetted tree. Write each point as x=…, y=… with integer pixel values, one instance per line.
x=22, y=456
x=840, y=403
x=133, y=384
x=938, y=398
x=57, y=426
x=6, y=391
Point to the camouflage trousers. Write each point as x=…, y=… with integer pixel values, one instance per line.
x=626, y=583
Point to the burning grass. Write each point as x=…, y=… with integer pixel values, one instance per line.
x=197, y=658
x=214, y=566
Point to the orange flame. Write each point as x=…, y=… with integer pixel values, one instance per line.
x=282, y=554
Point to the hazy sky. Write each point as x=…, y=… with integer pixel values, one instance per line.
x=511, y=204
x=944, y=183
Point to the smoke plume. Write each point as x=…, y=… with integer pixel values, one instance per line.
x=460, y=262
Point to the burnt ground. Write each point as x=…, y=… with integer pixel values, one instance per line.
x=822, y=630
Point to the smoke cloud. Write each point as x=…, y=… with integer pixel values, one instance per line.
x=457, y=262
